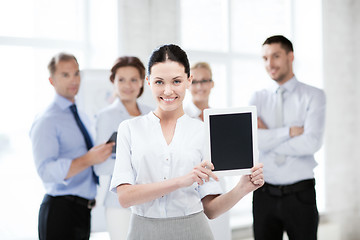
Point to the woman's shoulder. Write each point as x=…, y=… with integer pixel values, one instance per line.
x=136, y=126
x=193, y=124
x=139, y=120
x=145, y=109
x=108, y=110
x=193, y=121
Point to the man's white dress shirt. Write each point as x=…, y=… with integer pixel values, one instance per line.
x=303, y=105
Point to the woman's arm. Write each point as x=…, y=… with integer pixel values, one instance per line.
x=129, y=195
x=215, y=205
x=105, y=126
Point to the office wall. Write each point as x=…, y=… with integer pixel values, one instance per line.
x=341, y=31
x=144, y=24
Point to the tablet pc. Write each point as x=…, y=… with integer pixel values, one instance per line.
x=232, y=139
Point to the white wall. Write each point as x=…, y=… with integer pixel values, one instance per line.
x=145, y=24
x=341, y=34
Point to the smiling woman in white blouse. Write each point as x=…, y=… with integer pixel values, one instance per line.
x=127, y=77
x=160, y=170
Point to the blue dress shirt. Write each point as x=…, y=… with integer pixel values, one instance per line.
x=56, y=142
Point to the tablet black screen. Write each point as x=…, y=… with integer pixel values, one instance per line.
x=231, y=141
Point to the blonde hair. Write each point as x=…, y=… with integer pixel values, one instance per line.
x=203, y=65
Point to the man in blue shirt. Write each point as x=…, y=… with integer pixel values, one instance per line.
x=64, y=157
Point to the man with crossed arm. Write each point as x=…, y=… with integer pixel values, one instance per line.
x=291, y=118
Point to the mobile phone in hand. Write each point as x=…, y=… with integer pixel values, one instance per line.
x=113, y=139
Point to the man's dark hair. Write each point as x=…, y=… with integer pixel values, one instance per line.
x=169, y=52
x=284, y=42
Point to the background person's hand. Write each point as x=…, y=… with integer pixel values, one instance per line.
x=100, y=153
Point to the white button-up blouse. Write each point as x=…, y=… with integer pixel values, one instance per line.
x=143, y=156
x=108, y=120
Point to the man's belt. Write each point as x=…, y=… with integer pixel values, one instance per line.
x=79, y=200
x=281, y=190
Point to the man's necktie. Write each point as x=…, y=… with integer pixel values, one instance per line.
x=280, y=159
x=84, y=132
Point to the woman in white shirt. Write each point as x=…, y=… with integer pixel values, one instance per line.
x=160, y=171
x=200, y=89
x=127, y=76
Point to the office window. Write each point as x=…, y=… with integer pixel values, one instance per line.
x=253, y=21
x=60, y=19
x=31, y=32
x=237, y=50
x=204, y=25
x=226, y=33
x=103, y=35
x=246, y=79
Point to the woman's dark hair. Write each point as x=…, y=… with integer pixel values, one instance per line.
x=127, y=61
x=169, y=52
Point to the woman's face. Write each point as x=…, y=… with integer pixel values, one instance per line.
x=201, y=85
x=127, y=83
x=168, y=82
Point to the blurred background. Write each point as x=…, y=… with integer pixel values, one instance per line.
x=226, y=33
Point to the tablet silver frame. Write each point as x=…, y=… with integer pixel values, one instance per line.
x=220, y=111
